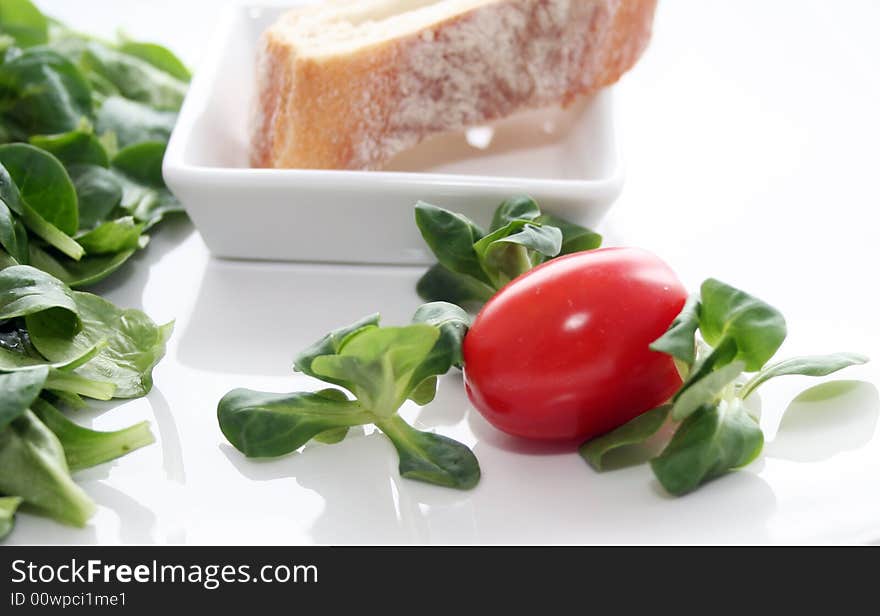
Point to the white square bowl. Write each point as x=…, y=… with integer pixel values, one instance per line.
x=567, y=159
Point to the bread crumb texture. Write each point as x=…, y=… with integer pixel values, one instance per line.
x=357, y=109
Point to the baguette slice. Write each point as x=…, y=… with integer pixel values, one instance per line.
x=349, y=84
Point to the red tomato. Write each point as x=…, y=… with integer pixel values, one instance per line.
x=561, y=353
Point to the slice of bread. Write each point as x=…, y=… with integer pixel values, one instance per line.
x=348, y=84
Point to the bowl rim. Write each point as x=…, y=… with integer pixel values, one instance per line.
x=176, y=169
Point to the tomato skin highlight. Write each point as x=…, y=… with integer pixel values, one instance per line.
x=562, y=352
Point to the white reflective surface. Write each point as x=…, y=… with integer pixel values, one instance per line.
x=753, y=163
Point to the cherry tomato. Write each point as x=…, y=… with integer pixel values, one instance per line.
x=562, y=352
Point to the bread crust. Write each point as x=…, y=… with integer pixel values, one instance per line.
x=358, y=110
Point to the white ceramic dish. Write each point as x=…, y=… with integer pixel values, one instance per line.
x=566, y=159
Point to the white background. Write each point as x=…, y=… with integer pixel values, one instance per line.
x=750, y=133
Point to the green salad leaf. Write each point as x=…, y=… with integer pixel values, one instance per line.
x=62, y=345
x=381, y=367
x=98, y=191
x=424, y=392
x=680, y=340
x=268, y=425
x=132, y=122
x=728, y=315
x=76, y=147
x=20, y=389
x=6, y=260
x=813, y=365
x=331, y=344
x=575, y=238
x=83, y=273
x=18, y=353
x=132, y=344
x=37, y=188
x=34, y=468
x=42, y=93
x=84, y=125
x=52, y=235
x=73, y=383
x=85, y=448
x=453, y=323
x=441, y=284
x=13, y=235
x=474, y=265
x=710, y=442
x=507, y=252
x=633, y=432
x=429, y=457
x=724, y=337
x=378, y=365
x=451, y=237
x=142, y=163
x=157, y=55
x=8, y=507
x=113, y=237
x=706, y=390
x=24, y=22
x=516, y=208
x=23, y=215
x=133, y=77
x=26, y=291
x=93, y=347
x=91, y=120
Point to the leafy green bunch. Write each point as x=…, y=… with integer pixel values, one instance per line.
x=84, y=124
x=380, y=368
x=474, y=265
x=712, y=428
x=58, y=347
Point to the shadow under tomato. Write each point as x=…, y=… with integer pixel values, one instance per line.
x=489, y=434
